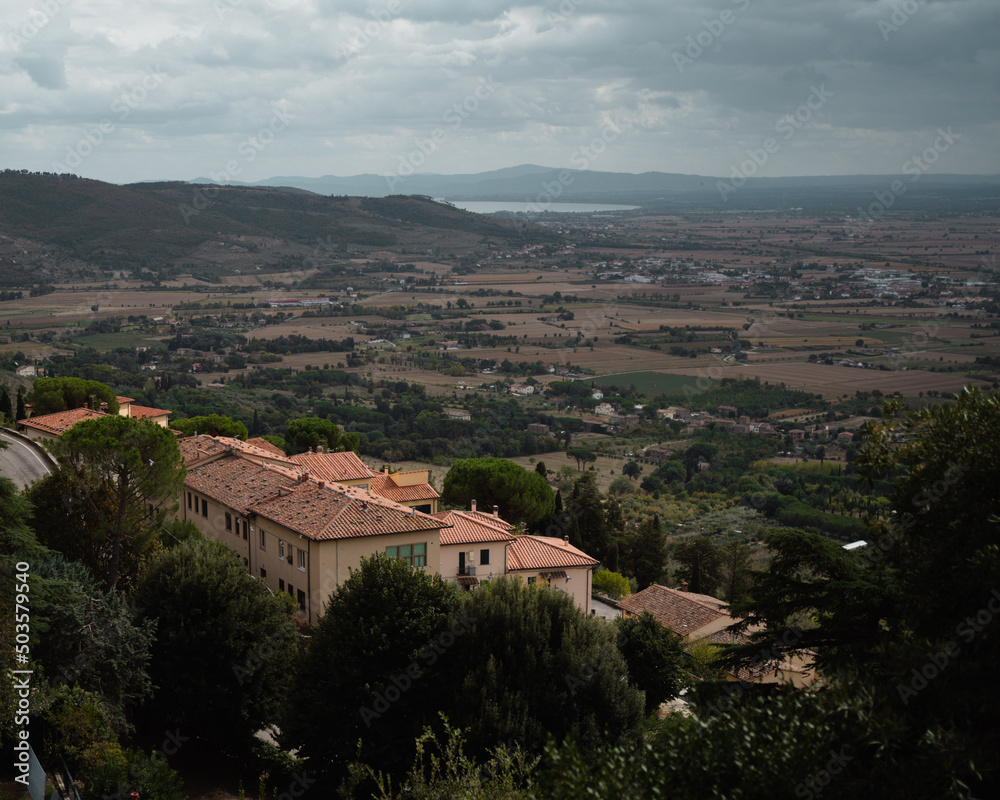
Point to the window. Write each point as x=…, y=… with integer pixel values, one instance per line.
x=281, y=584
x=229, y=523
x=291, y=554
x=263, y=572
x=413, y=554
x=244, y=530
x=281, y=549
x=302, y=599
x=302, y=559
x=263, y=540
x=531, y=581
x=291, y=590
x=189, y=499
x=461, y=563
x=484, y=558
x=204, y=507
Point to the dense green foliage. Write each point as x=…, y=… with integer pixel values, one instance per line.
x=224, y=647
x=49, y=395
x=521, y=495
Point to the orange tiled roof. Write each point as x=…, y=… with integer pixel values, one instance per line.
x=123, y=400
x=264, y=444
x=384, y=486
x=61, y=421
x=236, y=482
x=325, y=511
x=145, y=412
x=681, y=612
x=468, y=528
x=545, y=552
x=334, y=467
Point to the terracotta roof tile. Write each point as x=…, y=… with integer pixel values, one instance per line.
x=384, y=486
x=236, y=482
x=681, y=612
x=545, y=552
x=466, y=528
x=61, y=421
x=334, y=467
x=332, y=511
x=145, y=412
x=263, y=444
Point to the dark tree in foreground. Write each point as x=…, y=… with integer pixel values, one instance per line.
x=372, y=672
x=128, y=473
x=654, y=657
x=532, y=666
x=225, y=645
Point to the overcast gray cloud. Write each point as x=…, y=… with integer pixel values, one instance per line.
x=259, y=88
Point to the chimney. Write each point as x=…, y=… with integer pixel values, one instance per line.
x=565, y=541
x=684, y=586
x=472, y=505
x=496, y=511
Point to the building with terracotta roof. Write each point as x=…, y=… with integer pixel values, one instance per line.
x=298, y=534
x=474, y=547
x=702, y=618
x=52, y=426
x=547, y=561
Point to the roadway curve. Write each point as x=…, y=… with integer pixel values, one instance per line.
x=22, y=461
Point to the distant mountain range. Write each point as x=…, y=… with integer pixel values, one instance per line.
x=538, y=184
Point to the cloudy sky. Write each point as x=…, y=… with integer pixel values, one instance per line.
x=250, y=89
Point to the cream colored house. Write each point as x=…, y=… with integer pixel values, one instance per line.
x=474, y=548
x=298, y=534
x=547, y=561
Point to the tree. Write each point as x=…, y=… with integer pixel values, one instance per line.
x=541, y=469
x=735, y=571
x=310, y=433
x=531, y=666
x=49, y=395
x=21, y=413
x=631, y=470
x=654, y=657
x=586, y=508
x=129, y=474
x=6, y=406
x=374, y=666
x=611, y=583
x=225, y=645
x=522, y=496
x=647, y=552
x=582, y=456
x=213, y=425
x=695, y=454
x=699, y=565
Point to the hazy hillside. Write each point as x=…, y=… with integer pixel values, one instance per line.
x=530, y=182
x=162, y=225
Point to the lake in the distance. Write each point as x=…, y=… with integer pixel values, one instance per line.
x=488, y=207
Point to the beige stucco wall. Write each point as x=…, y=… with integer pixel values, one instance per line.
x=497, y=565
x=578, y=586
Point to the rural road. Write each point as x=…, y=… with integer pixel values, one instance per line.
x=21, y=462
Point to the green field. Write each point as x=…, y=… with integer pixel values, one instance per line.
x=109, y=341
x=652, y=383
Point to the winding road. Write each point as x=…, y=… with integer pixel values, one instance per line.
x=21, y=462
